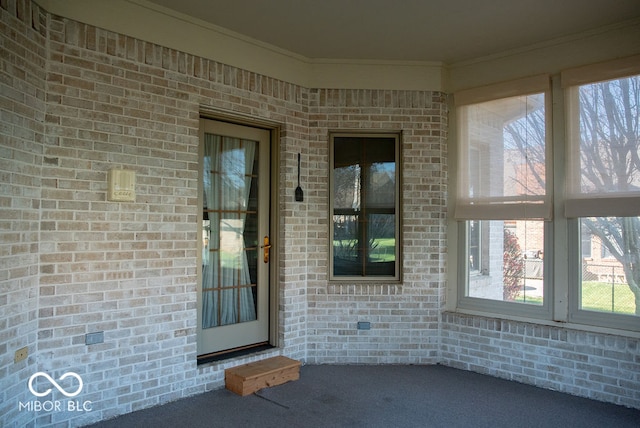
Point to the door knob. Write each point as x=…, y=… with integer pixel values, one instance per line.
x=266, y=248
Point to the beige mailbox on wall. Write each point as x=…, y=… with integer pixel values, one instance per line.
x=121, y=185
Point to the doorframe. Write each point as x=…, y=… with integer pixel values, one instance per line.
x=274, y=129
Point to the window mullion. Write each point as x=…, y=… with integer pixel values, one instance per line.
x=364, y=176
x=558, y=243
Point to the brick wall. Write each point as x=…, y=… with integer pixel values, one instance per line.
x=80, y=264
x=403, y=317
x=22, y=98
x=129, y=269
x=76, y=101
x=125, y=269
x=599, y=366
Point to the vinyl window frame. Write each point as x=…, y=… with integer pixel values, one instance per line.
x=466, y=209
x=562, y=232
x=578, y=205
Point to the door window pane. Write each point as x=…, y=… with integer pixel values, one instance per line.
x=230, y=231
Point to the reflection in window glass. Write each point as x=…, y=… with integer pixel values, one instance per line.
x=364, y=205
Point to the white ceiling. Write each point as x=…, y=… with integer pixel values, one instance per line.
x=450, y=31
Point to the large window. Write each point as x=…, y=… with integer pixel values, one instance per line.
x=364, y=207
x=503, y=198
x=509, y=233
x=603, y=199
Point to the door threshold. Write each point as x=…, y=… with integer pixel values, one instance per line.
x=234, y=353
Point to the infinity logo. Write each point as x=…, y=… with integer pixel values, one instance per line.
x=54, y=383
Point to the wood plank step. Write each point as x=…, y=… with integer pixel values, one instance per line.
x=251, y=377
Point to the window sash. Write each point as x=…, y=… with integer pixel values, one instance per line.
x=585, y=316
x=509, y=308
x=586, y=201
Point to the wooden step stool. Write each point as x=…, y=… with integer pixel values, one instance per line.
x=249, y=378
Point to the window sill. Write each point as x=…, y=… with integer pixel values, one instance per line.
x=364, y=288
x=365, y=280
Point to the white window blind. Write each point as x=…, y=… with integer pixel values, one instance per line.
x=603, y=150
x=503, y=151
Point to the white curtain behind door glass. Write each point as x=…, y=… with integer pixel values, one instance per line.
x=228, y=166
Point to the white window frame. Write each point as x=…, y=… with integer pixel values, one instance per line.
x=562, y=234
x=615, y=206
x=465, y=211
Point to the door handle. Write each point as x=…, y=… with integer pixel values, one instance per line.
x=266, y=248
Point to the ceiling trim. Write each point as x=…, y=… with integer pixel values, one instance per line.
x=144, y=20
x=603, y=44
x=153, y=23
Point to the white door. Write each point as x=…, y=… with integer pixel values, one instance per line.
x=233, y=286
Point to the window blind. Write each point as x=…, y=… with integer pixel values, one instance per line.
x=603, y=147
x=503, y=151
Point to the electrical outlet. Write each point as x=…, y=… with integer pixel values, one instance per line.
x=364, y=325
x=94, y=338
x=21, y=354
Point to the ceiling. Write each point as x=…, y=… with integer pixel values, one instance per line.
x=450, y=31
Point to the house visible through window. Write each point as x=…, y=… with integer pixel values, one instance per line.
x=364, y=206
x=474, y=247
x=586, y=243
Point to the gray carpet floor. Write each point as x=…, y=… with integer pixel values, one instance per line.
x=385, y=396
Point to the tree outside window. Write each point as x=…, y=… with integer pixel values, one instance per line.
x=606, y=162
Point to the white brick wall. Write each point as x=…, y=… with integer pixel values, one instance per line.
x=594, y=365
x=73, y=263
x=22, y=101
x=403, y=317
x=129, y=269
